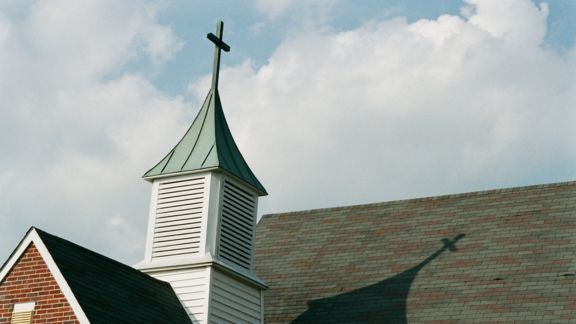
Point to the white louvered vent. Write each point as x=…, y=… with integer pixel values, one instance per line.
x=178, y=220
x=22, y=313
x=237, y=225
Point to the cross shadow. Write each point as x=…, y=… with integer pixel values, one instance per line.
x=382, y=302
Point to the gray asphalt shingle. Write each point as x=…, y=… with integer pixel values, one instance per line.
x=390, y=262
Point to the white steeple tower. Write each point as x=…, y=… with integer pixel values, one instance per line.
x=203, y=216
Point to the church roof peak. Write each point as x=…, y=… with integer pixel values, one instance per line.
x=208, y=143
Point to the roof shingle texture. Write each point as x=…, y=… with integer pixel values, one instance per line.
x=506, y=255
x=111, y=292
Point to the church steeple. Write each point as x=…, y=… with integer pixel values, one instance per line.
x=208, y=142
x=203, y=216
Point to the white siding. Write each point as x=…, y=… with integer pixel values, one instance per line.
x=191, y=287
x=237, y=225
x=178, y=221
x=232, y=301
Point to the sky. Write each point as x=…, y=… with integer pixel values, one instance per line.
x=332, y=103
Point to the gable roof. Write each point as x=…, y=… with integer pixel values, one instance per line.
x=507, y=254
x=32, y=238
x=207, y=144
x=99, y=289
x=111, y=292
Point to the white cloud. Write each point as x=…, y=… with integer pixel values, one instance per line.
x=390, y=109
x=309, y=13
x=395, y=109
x=274, y=8
x=517, y=21
x=77, y=131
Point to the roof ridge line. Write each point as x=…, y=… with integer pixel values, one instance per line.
x=430, y=198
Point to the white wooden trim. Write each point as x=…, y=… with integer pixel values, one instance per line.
x=210, y=272
x=218, y=218
x=199, y=262
x=151, y=221
x=207, y=170
x=33, y=237
x=177, y=175
x=204, y=228
x=212, y=214
x=14, y=257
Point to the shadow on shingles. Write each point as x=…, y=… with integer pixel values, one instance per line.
x=382, y=302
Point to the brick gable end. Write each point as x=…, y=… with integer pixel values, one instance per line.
x=30, y=280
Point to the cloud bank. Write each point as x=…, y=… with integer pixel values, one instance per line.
x=394, y=109
x=388, y=110
x=77, y=128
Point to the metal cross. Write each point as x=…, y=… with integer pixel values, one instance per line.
x=218, y=45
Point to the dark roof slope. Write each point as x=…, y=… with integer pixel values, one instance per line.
x=111, y=292
x=506, y=254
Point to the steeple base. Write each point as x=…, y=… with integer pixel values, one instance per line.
x=212, y=292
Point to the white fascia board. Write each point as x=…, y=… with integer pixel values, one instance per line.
x=179, y=174
x=175, y=263
x=33, y=237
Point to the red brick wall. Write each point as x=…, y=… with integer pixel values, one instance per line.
x=31, y=281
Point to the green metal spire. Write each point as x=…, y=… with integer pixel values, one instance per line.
x=208, y=143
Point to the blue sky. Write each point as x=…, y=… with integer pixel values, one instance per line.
x=191, y=20
x=332, y=103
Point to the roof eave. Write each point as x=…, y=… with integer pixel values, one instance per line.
x=258, y=191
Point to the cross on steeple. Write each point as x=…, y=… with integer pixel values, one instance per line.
x=218, y=45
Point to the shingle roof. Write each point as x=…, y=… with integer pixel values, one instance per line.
x=111, y=292
x=515, y=259
x=207, y=144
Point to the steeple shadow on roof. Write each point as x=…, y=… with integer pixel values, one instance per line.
x=383, y=302
x=516, y=262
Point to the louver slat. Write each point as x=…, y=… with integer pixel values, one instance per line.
x=240, y=212
x=21, y=318
x=176, y=239
x=235, y=233
x=240, y=235
x=195, y=210
x=237, y=226
x=235, y=221
x=178, y=222
x=239, y=203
